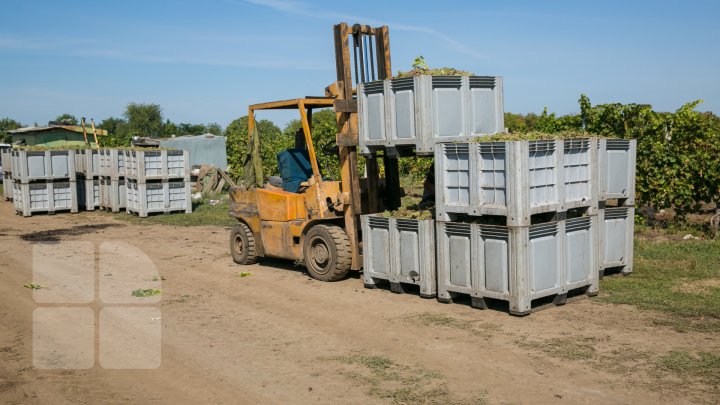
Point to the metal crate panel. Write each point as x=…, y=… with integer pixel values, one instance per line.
x=31, y=166
x=50, y=196
x=616, y=159
x=424, y=110
x=158, y=197
x=400, y=251
x=617, y=226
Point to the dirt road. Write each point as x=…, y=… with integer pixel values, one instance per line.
x=277, y=336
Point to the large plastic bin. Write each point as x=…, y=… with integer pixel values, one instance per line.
x=580, y=173
x=87, y=163
x=149, y=165
x=616, y=160
x=113, y=194
x=88, y=192
x=7, y=186
x=158, y=197
x=424, y=110
x=45, y=196
x=112, y=163
x=39, y=165
x=516, y=264
x=511, y=179
x=6, y=160
x=617, y=227
x=401, y=251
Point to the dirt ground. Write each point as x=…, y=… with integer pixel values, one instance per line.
x=277, y=336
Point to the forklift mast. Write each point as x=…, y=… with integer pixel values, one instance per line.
x=370, y=61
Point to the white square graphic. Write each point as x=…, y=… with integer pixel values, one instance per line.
x=63, y=338
x=130, y=338
x=127, y=275
x=65, y=272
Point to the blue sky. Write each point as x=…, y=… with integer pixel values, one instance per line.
x=205, y=61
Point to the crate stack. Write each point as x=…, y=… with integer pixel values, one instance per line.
x=43, y=181
x=87, y=165
x=516, y=221
x=157, y=181
x=616, y=162
x=6, y=161
x=113, y=191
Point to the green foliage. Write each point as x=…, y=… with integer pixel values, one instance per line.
x=34, y=286
x=118, y=133
x=520, y=122
x=67, y=119
x=213, y=128
x=147, y=292
x=678, y=154
x=7, y=124
x=144, y=120
x=272, y=141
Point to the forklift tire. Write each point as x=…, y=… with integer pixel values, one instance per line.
x=327, y=253
x=242, y=245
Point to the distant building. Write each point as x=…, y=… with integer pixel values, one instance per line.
x=206, y=149
x=55, y=135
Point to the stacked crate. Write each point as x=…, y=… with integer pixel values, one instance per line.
x=517, y=221
x=6, y=161
x=43, y=181
x=87, y=165
x=422, y=111
x=616, y=162
x=113, y=191
x=157, y=181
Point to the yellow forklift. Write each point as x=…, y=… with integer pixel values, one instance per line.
x=307, y=218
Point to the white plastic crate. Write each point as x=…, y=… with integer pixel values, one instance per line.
x=616, y=160
x=401, y=251
x=511, y=179
x=6, y=160
x=87, y=163
x=516, y=264
x=580, y=173
x=49, y=197
x=424, y=110
x=7, y=186
x=39, y=165
x=151, y=164
x=112, y=163
x=158, y=197
x=113, y=194
x=617, y=227
x=88, y=193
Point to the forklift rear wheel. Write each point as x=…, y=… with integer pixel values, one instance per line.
x=242, y=245
x=327, y=252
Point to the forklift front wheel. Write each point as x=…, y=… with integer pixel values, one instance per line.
x=242, y=245
x=327, y=252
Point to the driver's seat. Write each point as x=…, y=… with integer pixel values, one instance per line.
x=295, y=168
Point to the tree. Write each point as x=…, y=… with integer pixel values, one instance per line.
x=67, y=119
x=118, y=132
x=144, y=120
x=169, y=129
x=8, y=124
x=213, y=128
x=272, y=141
